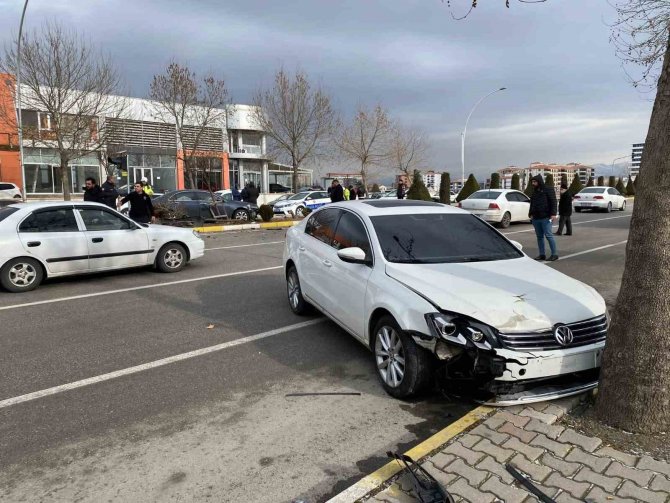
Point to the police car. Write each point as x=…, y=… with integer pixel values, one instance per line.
x=295, y=204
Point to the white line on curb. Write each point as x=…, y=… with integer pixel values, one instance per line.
x=244, y=246
x=592, y=250
x=152, y=365
x=143, y=287
x=573, y=223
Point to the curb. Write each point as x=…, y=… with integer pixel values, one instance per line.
x=376, y=479
x=244, y=227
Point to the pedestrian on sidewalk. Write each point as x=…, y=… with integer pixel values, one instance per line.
x=565, y=211
x=400, y=193
x=336, y=192
x=92, y=192
x=141, y=208
x=542, y=214
x=109, y=193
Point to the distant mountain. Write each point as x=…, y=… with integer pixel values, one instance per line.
x=620, y=169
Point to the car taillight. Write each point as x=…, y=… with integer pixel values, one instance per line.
x=494, y=206
x=598, y=197
x=460, y=205
x=577, y=197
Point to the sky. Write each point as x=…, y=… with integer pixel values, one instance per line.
x=567, y=99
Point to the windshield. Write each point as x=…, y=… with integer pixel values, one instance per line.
x=592, y=191
x=440, y=238
x=485, y=194
x=299, y=196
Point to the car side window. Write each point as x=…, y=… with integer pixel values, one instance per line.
x=102, y=220
x=322, y=225
x=351, y=233
x=184, y=196
x=227, y=197
x=511, y=196
x=56, y=220
x=613, y=192
x=6, y=186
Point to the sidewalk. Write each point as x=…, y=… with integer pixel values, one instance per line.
x=562, y=463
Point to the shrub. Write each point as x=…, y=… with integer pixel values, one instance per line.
x=304, y=212
x=612, y=181
x=549, y=180
x=590, y=183
x=630, y=188
x=516, y=182
x=529, y=188
x=621, y=187
x=575, y=186
x=266, y=212
x=495, y=180
x=418, y=190
x=471, y=186
x=375, y=187
x=445, y=188
x=169, y=214
x=564, y=179
x=601, y=181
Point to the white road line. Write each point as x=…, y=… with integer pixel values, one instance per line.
x=573, y=223
x=152, y=365
x=144, y=287
x=244, y=246
x=592, y=250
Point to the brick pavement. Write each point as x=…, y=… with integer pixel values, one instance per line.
x=565, y=464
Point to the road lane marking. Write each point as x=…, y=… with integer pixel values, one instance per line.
x=244, y=246
x=154, y=364
x=573, y=223
x=143, y=287
x=592, y=250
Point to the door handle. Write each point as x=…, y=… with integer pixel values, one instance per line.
x=32, y=244
x=301, y=248
x=327, y=263
x=97, y=240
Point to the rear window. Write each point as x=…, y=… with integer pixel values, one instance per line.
x=5, y=212
x=485, y=194
x=440, y=238
x=592, y=191
x=6, y=186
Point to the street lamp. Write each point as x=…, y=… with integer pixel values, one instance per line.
x=465, y=129
x=18, y=100
x=615, y=160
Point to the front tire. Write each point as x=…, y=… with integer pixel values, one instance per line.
x=242, y=215
x=171, y=258
x=21, y=275
x=506, y=220
x=623, y=206
x=403, y=368
x=296, y=301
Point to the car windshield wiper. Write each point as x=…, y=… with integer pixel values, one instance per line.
x=487, y=258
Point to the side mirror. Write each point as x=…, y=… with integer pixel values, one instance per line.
x=517, y=244
x=353, y=255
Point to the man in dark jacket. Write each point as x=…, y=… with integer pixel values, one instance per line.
x=141, y=208
x=336, y=192
x=109, y=193
x=400, y=193
x=250, y=193
x=565, y=211
x=542, y=213
x=92, y=192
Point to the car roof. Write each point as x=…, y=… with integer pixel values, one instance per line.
x=379, y=207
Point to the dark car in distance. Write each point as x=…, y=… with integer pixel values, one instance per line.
x=198, y=205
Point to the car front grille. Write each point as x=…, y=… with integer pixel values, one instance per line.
x=585, y=332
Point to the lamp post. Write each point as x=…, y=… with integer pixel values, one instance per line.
x=615, y=160
x=465, y=130
x=18, y=100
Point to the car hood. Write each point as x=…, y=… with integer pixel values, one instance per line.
x=512, y=295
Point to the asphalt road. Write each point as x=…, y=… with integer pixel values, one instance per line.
x=215, y=425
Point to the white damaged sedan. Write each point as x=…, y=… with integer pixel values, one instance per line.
x=440, y=296
x=45, y=240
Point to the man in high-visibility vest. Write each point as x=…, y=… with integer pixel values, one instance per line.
x=148, y=190
x=346, y=193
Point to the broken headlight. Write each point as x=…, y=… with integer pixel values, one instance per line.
x=462, y=331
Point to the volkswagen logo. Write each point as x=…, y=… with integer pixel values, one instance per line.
x=563, y=335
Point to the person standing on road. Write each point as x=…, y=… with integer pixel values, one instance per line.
x=347, y=194
x=92, y=192
x=542, y=213
x=146, y=187
x=400, y=193
x=336, y=192
x=353, y=195
x=141, y=208
x=236, y=193
x=565, y=211
x=109, y=193
x=250, y=193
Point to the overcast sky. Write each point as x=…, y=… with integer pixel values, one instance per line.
x=567, y=100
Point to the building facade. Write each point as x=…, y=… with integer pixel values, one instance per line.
x=231, y=152
x=570, y=170
x=636, y=159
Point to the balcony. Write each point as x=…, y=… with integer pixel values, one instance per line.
x=247, y=152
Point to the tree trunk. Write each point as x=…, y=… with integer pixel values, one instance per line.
x=296, y=179
x=191, y=180
x=364, y=177
x=635, y=378
x=66, y=178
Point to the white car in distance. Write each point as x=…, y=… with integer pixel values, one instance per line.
x=11, y=190
x=295, y=204
x=434, y=291
x=46, y=240
x=498, y=206
x=599, y=198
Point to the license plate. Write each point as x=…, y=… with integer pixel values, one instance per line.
x=586, y=204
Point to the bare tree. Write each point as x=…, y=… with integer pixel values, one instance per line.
x=297, y=117
x=74, y=86
x=199, y=108
x=367, y=140
x=407, y=150
x=635, y=382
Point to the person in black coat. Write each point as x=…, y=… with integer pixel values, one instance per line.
x=109, y=193
x=141, y=207
x=400, y=193
x=565, y=211
x=542, y=214
x=250, y=193
x=92, y=192
x=336, y=192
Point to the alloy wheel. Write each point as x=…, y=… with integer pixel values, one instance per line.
x=173, y=258
x=506, y=220
x=390, y=356
x=22, y=275
x=241, y=215
x=293, y=286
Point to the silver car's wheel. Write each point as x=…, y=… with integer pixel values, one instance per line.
x=171, y=258
x=296, y=301
x=390, y=356
x=21, y=275
x=506, y=220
